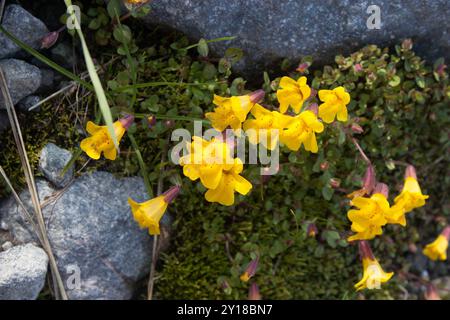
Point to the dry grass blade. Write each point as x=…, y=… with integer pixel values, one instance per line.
x=29, y=177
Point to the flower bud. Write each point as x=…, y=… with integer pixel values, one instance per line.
x=381, y=188
x=171, y=194
x=358, y=67
x=127, y=121
x=151, y=121
x=407, y=44
x=369, y=179
x=356, y=128
x=324, y=165
x=441, y=69
x=446, y=233
x=432, y=293
x=335, y=183
x=314, y=108
x=253, y=292
x=250, y=270
x=302, y=67
x=311, y=230
x=49, y=40
x=257, y=96
x=410, y=172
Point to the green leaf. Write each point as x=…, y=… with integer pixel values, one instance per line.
x=395, y=81
x=202, y=48
x=122, y=33
x=100, y=93
x=327, y=193
x=234, y=54
x=113, y=8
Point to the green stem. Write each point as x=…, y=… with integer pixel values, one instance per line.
x=144, y=171
x=166, y=117
x=45, y=60
x=210, y=41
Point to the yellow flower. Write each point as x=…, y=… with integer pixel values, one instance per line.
x=211, y=162
x=293, y=93
x=230, y=182
x=149, y=213
x=368, y=220
x=207, y=160
x=334, y=103
x=231, y=112
x=438, y=248
x=300, y=130
x=373, y=275
x=101, y=141
x=411, y=196
x=264, y=128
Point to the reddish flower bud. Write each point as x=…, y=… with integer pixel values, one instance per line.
x=335, y=183
x=171, y=194
x=407, y=44
x=381, y=188
x=257, y=96
x=364, y=250
x=356, y=128
x=151, y=121
x=410, y=172
x=127, y=121
x=49, y=40
x=432, y=293
x=324, y=165
x=250, y=271
x=311, y=231
x=302, y=67
x=169, y=123
x=358, y=67
x=446, y=232
x=441, y=69
x=369, y=179
x=253, y=292
x=314, y=108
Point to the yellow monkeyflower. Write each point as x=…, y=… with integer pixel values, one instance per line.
x=149, y=213
x=292, y=93
x=438, y=248
x=211, y=162
x=207, y=160
x=230, y=182
x=368, y=220
x=411, y=196
x=373, y=274
x=231, y=112
x=250, y=271
x=300, y=130
x=265, y=128
x=101, y=141
x=334, y=104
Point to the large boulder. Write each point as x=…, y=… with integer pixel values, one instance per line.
x=270, y=30
x=24, y=26
x=22, y=272
x=22, y=78
x=92, y=232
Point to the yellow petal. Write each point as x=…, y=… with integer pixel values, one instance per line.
x=92, y=127
x=110, y=153
x=88, y=146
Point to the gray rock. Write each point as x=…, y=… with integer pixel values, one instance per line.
x=63, y=54
x=52, y=161
x=270, y=30
x=48, y=83
x=22, y=272
x=24, y=26
x=7, y=245
x=91, y=229
x=26, y=103
x=23, y=79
